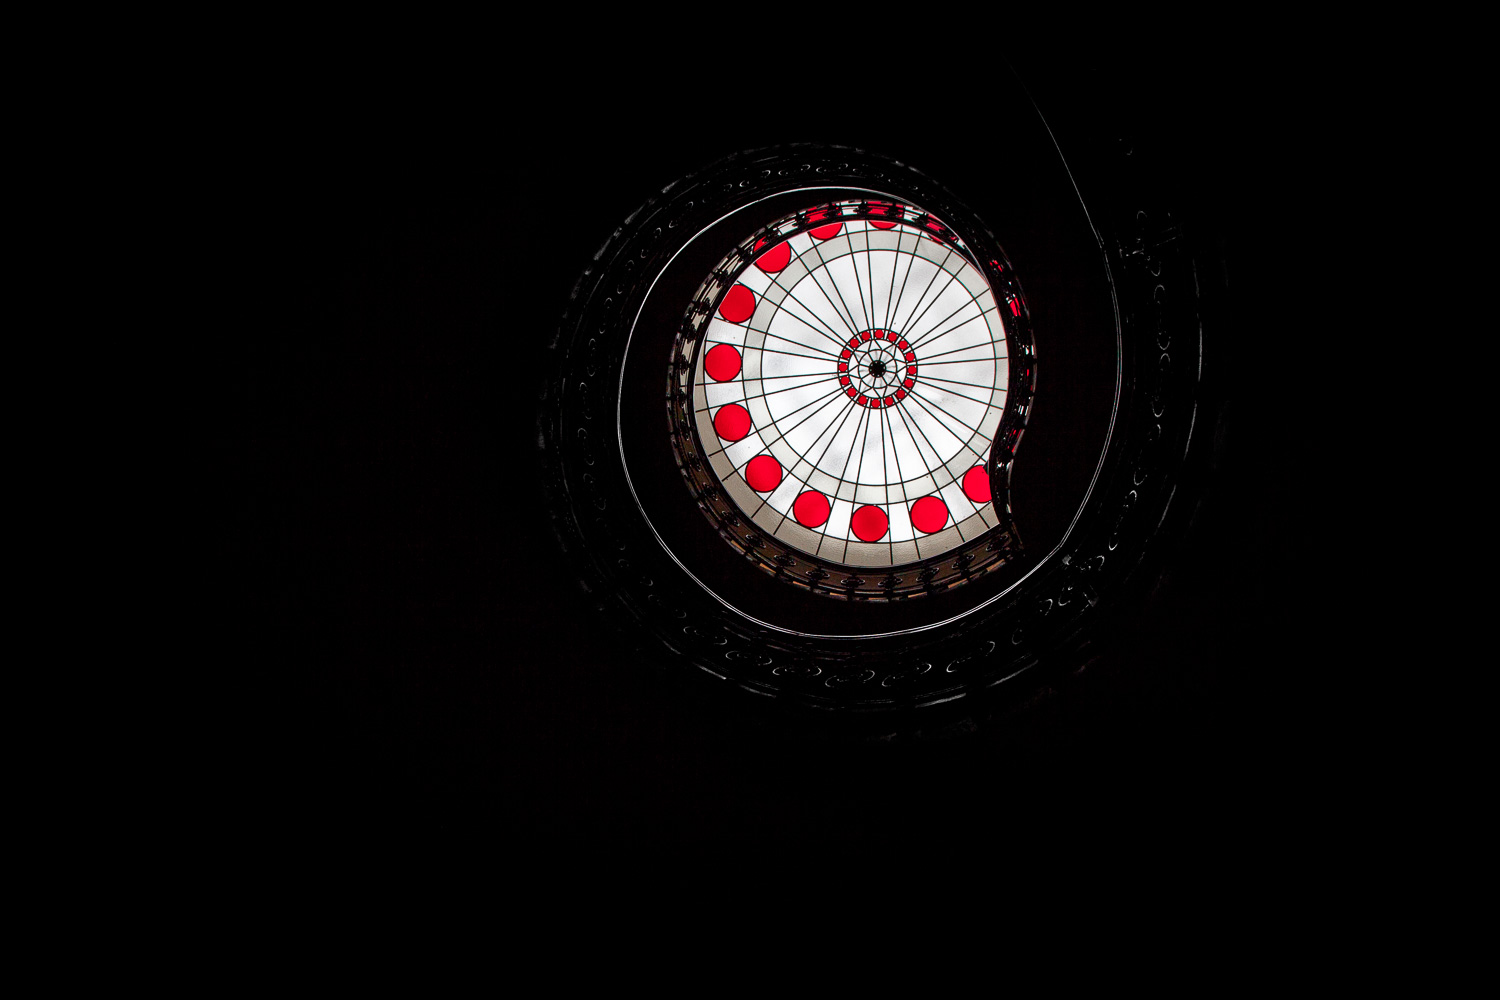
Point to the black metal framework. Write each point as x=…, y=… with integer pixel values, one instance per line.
x=867, y=380
x=644, y=548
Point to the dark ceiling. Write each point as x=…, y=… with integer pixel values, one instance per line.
x=425, y=663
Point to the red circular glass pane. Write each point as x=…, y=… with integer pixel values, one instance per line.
x=775, y=259
x=722, y=363
x=827, y=232
x=869, y=523
x=882, y=225
x=977, y=484
x=811, y=509
x=732, y=422
x=738, y=305
x=763, y=473
x=929, y=514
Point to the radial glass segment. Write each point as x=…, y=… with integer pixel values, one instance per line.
x=849, y=383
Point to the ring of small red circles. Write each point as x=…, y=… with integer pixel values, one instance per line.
x=763, y=473
x=862, y=343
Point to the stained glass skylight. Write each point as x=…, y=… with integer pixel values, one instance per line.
x=849, y=383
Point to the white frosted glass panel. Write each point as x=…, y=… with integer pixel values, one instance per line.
x=874, y=369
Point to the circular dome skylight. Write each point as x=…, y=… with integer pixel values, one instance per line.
x=848, y=380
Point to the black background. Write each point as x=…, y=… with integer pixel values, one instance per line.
x=420, y=661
